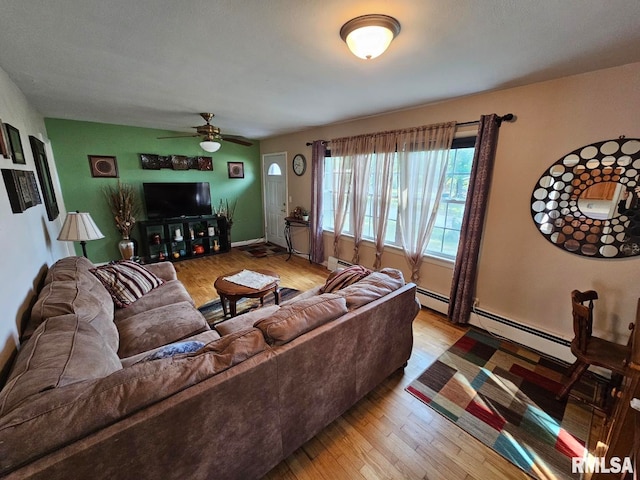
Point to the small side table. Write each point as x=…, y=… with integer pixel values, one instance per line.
x=293, y=222
x=232, y=292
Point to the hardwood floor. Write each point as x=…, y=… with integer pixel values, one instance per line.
x=389, y=434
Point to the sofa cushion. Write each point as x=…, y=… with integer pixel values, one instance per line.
x=85, y=407
x=343, y=278
x=126, y=281
x=70, y=268
x=246, y=320
x=166, y=294
x=294, y=319
x=159, y=326
x=372, y=287
x=164, y=270
x=62, y=351
x=85, y=297
x=312, y=292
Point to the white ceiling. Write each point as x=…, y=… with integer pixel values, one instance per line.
x=277, y=66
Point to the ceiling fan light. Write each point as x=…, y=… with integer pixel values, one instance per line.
x=210, y=146
x=369, y=36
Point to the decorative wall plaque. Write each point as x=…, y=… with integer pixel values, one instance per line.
x=151, y=161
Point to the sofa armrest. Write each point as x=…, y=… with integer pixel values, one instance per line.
x=164, y=270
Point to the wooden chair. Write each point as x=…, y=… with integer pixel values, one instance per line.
x=590, y=350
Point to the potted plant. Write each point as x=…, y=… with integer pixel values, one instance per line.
x=124, y=206
x=304, y=214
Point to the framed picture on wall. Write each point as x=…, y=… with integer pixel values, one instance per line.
x=44, y=176
x=15, y=144
x=4, y=145
x=21, y=189
x=236, y=169
x=103, y=166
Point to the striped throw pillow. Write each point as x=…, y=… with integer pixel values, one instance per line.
x=126, y=281
x=343, y=278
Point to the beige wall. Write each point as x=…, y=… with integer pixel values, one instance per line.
x=521, y=276
x=27, y=240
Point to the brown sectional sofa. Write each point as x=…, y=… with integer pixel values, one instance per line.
x=83, y=399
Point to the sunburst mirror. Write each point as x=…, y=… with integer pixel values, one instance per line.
x=588, y=202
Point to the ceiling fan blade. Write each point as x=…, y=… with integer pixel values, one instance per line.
x=180, y=136
x=239, y=140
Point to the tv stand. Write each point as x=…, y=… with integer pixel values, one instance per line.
x=182, y=238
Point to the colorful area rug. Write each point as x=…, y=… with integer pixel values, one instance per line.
x=261, y=250
x=212, y=311
x=504, y=395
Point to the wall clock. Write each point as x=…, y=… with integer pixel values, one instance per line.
x=299, y=164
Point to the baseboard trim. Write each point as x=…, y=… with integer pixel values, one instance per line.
x=248, y=242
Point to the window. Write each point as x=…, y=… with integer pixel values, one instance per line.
x=446, y=232
x=274, y=170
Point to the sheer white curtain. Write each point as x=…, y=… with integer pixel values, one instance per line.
x=342, y=173
x=382, y=190
x=422, y=163
x=361, y=163
x=354, y=161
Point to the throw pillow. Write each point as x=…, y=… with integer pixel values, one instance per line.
x=174, y=349
x=343, y=278
x=295, y=319
x=126, y=281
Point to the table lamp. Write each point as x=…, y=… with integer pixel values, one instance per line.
x=79, y=227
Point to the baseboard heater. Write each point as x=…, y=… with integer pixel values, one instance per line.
x=536, y=339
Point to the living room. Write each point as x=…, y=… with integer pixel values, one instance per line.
x=523, y=281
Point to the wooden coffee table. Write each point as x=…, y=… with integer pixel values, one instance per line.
x=232, y=292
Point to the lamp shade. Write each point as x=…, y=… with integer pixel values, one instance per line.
x=210, y=146
x=369, y=36
x=79, y=227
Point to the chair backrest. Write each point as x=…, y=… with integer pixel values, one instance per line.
x=634, y=339
x=582, y=308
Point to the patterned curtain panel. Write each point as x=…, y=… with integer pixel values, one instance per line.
x=318, y=151
x=423, y=155
x=465, y=270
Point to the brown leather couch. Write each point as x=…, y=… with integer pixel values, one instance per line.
x=83, y=399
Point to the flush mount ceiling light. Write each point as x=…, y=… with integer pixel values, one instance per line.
x=369, y=36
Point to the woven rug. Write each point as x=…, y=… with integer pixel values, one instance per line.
x=504, y=395
x=261, y=250
x=212, y=310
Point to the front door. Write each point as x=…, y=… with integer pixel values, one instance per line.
x=274, y=175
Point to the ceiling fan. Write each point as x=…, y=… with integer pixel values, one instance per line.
x=211, y=136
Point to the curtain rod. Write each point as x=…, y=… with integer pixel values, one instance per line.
x=509, y=117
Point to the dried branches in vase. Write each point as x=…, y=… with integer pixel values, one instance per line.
x=124, y=207
x=224, y=210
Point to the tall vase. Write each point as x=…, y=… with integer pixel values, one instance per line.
x=127, y=248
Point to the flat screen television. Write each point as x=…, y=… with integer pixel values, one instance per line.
x=171, y=200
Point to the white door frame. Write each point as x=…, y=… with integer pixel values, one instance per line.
x=285, y=173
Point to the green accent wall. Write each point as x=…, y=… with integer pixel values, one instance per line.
x=73, y=141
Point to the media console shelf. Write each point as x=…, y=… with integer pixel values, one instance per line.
x=177, y=239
